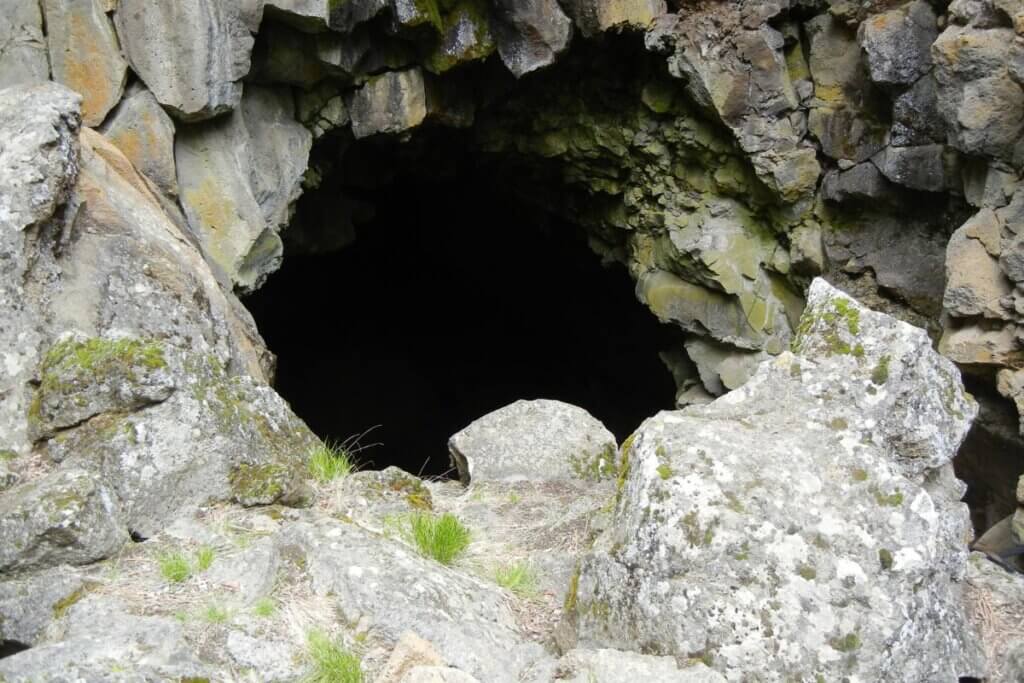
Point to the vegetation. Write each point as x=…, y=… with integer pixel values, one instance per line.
x=204, y=558
x=443, y=538
x=216, y=614
x=174, y=567
x=264, y=608
x=331, y=663
x=330, y=461
x=518, y=577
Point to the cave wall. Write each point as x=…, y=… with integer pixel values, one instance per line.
x=754, y=146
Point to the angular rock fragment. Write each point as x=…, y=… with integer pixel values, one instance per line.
x=534, y=440
x=813, y=511
x=23, y=59
x=531, y=34
x=239, y=178
x=393, y=102
x=919, y=168
x=191, y=54
x=597, y=16
x=975, y=283
x=898, y=43
x=85, y=55
x=144, y=132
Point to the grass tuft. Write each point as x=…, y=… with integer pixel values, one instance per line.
x=518, y=577
x=264, y=608
x=328, y=462
x=204, y=558
x=216, y=614
x=331, y=662
x=443, y=538
x=174, y=567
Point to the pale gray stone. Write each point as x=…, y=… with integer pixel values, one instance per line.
x=30, y=603
x=531, y=34
x=240, y=177
x=393, y=102
x=534, y=440
x=191, y=54
x=813, y=511
x=613, y=666
x=144, y=132
x=23, y=59
x=898, y=43
x=597, y=16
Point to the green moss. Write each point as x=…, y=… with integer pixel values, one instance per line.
x=664, y=471
x=695, y=534
x=880, y=374
x=894, y=499
x=7, y=455
x=572, y=594
x=859, y=474
x=61, y=607
x=885, y=558
x=594, y=468
x=734, y=503
x=744, y=553
x=847, y=643
x=838, y=424
x=807, y=571
x=851, y=315
x=253, y=484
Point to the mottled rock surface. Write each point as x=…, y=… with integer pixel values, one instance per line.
x=861, y=424
x=23, y=58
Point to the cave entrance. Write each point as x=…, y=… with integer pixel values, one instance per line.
x=454, y=298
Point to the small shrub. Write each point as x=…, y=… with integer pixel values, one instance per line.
x=204, y=558
x=328, y=462
x=174, y=567
x=331, y=663
x=517, y=577
x=264, y=608
x=443, y=538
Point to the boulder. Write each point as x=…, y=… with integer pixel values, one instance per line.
x=393, y=102
x=612, y=666
x=240, y=177
x=534, y=440
x=30, y=603
x=597, y=16
x=144, y=133
x=191, y=54
x=531, y=34
x=70, y=516
x=994, y=597
x=919, y=168
x=915, y=115
x=975, y=284
x=806, y=525
x=898, y=43
x=85, y=55
x=23, y=59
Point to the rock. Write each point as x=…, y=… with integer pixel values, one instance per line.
x=530, y=34
x=144, y=132
x=85, y=56
x=410, y=652
x=346, y=16
x=975, y=284
x=722, y=368
x=988, y=185
x=974, y=344
x=68, y=517
x=393, y=102
x=597, y=16
x=611, y=666
x=191, y=55
x=1010, y=384
x=99, y=636
x=919, y=168
x=286, y=56
x=863, y=182
x=982, y=105
x=23, y=59
x=321, y=109
x=29, y=604
x=461, y=615
x=534, y=440
x=994, y=597
x=437, y=674
x=719, y=517
x=465, y=36
x=898, y=43
x=915, y=115
x=311, y=16
x=240, y=177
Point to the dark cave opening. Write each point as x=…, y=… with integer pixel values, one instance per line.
x=454, y=299
x=11, y=647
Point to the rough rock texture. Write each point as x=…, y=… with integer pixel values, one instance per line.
x=597, y=16
x=133, y=384
x=144, y=132
x=711, y=555
x=530, y=35
x=390, y=103
x=23, y=58
x=995, y=597
x=192, y=54
x=239, y=177
x=85, y=55
x=546, y=440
